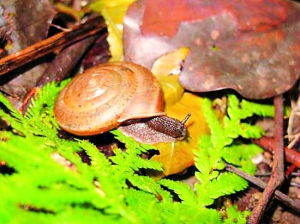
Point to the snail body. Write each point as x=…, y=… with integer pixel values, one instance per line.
x=113, y=94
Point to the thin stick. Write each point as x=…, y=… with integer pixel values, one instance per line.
x=13, y=61
x=277, y=176
x=258, y=182
x=291, y=156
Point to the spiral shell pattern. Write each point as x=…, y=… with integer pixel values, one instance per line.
x=104, y=96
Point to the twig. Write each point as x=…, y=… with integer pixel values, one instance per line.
x=60, y=67
x=277, y=176
x=13, y=61
x=291, y=155
x=258, y=182
x=294, y=139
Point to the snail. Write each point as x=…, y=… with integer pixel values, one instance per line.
x=119, y=94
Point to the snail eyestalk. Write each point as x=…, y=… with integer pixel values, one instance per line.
x=186, y=118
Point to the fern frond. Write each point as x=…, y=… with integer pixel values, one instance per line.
x=184, y=191
x=13, y=116
x=244, y=109
x=39, y=115
x=134, y=162
x=14, y=113
x=149, y=185
x=222, y=146
x=49, y=181
x=130, y=143
x=218, y=138
x=42, y=104
x=220, y=186
x=236, y=216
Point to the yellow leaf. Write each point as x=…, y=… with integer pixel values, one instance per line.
x=113, y=12
x=166, y=69
x=170, y=63
x=77, y=15
x=178, y=156
x=172, y=89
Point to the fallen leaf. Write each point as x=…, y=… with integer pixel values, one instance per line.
x=113, y=11
x=249, y=46
x=178, y=156
x=24, y=23
x=170, y=64
x=166, y=69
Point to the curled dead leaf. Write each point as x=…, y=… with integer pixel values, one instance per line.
x=178, y=156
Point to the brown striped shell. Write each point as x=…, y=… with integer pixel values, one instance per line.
x=107, y=95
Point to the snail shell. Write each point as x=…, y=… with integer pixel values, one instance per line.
x=113, y=94
x=104, y=96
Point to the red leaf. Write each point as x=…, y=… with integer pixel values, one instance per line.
x=162, y=17
x=250, y=46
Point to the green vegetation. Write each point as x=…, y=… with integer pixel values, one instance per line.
x=42, y=177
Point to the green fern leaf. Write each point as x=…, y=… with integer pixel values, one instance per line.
x=184, y=191
x=222, y=146
x=236, y=216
